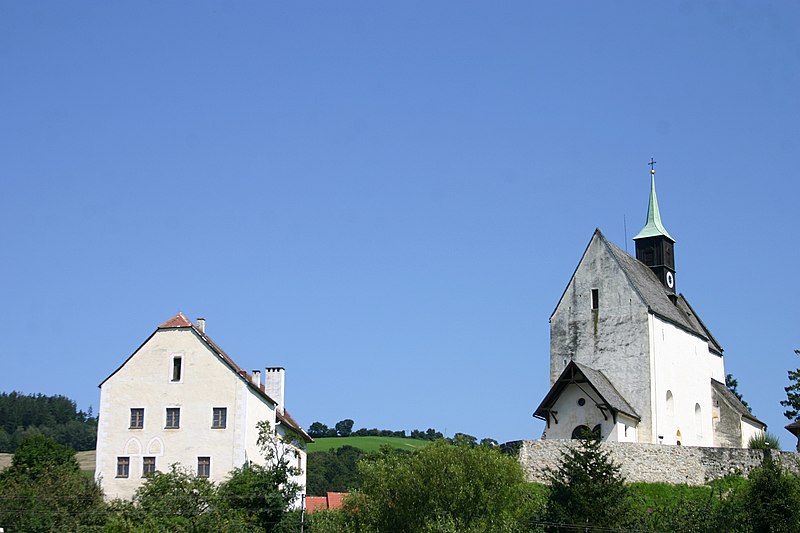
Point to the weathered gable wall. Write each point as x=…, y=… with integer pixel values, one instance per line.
x=145, y=382
x=613, y=339
x=653, y=463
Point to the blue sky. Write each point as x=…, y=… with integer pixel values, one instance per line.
x=388, y=199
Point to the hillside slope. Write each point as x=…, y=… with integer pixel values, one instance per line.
x=368, y=444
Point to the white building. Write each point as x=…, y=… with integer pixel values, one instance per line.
x=180, y=399
x=629, y=357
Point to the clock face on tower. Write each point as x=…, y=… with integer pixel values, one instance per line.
x=670, y=280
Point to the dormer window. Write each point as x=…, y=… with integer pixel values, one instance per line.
x=595, y=299
x=176, y=368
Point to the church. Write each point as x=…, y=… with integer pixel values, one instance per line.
x=630, y=359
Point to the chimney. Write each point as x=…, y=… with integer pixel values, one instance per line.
x=274, y=380
x=201, y=325
x=256, y=379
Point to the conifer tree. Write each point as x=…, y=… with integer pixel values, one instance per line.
x=586, y=488
x=792, y=400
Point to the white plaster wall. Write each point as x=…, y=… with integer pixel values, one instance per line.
x=749, y=430
x=682, y=364
x=571, y=415
x=624, y=430
x=144, y=382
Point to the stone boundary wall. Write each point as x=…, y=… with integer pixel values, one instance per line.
x=656, y=463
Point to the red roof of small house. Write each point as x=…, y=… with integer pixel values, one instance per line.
x=332, y=500
x=336, y=499
x=316, y=503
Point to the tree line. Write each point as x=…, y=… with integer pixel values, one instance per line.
x=56, y=417
x=344, y=428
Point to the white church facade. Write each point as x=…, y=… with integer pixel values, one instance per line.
x=179, y=398
x=630, y=360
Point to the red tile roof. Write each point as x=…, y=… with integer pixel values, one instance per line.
x=178, y=321
x=332, y=500
x=316, y=503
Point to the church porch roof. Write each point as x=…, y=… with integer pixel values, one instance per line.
x=582, y=375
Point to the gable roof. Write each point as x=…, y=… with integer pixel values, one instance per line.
x=653, y=293
x=579, y=374
x=180, y=321
x=733, y=401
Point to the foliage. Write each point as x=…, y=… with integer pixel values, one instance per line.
x=263, y=493
x=344, y=427
x=773, y=499
x=764, y=441
x=333, y=471
x=664, y=507
x=733, y=385
x=177, y=492
x=462, y=439
x=43, y=490
x=466, y=488
x=586, y=487
x=792, y=400
x=56, y=417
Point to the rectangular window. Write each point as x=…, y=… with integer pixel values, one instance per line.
x=148, y=466
x=176, y=368
x=203, y=466
x=137, y=418
x=220, y=418
x=595, y=299
x=123, y=466
x=173, y=418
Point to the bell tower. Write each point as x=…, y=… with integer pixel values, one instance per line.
x=654, y=244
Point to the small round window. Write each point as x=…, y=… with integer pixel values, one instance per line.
x=581, y=401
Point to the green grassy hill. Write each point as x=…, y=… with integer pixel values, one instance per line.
x=368, y=444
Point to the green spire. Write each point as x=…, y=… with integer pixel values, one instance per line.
x=654, y=227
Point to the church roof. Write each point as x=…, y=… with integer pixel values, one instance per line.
x=580, y=374
x=734, y=402
x=656, y=297
x=653, y=227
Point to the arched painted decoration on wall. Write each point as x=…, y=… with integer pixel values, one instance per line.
x=670, y=404
x=155, y=447
x=133, y=447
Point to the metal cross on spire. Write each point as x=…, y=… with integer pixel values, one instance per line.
x=652, y=164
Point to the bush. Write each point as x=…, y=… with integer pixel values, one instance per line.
x=764, y=441
x=459, y=488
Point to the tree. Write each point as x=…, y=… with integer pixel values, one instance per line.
x=344, y=427
x=586, y=488
x=792, y=400
x=317, y=430
x=462, y=439
x=264, y=493
x=733, y=385
x=772, y=499
x=333, y=471
x=461, y=487
x=177, y=501
x=44, y=490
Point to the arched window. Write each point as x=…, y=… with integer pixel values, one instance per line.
x=698, y=420
x=580, y=431
x=670, y=404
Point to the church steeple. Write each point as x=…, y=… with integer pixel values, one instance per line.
x=654, y=244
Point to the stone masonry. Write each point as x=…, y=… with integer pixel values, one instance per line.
x=655, y=463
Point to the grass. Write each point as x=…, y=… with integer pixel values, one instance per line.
x=368, y=444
